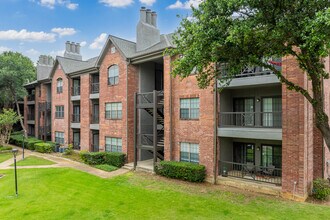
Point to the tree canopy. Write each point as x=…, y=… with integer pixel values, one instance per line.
x=241, y=33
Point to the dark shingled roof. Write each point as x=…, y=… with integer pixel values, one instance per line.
x=70, y=65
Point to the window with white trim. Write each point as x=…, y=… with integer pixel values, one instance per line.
x=189, y=152
x=113, y=75
x=59, y=111
x=189, y=108
x=59, y=137
x=113, y=144
x=59, y=85
x=113, y=110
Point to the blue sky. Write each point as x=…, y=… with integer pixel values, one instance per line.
x=35, y=27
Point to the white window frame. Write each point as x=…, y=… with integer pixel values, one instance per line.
x=189, y=149
x=113, y=144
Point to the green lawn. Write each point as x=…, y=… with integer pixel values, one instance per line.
x=33, y=161
x=5, y=156
x=60, y=193
x=106, y=167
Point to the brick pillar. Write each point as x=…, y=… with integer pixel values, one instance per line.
x=167, y=114
x=85, y=114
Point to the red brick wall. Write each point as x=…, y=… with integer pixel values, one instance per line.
x=60, y=125
x=199, y=131
x=85, y=112
x=117, y=93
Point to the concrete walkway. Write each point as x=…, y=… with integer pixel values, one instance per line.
x=61, y=162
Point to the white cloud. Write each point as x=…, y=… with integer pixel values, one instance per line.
x=148, y=2
x=116, y=3
x=72, y=6
x=52, y=3
x=98, y=42
x=64, y=31
x=3, y=49
x=57, y=53
x=185, y=5
x=32, y=52
x=24, y=35
x=83, y=43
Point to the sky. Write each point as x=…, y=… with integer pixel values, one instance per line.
x=36, y=27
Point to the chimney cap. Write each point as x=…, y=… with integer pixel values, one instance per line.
x=148, y=10
x=143, y=8
x=154, y=12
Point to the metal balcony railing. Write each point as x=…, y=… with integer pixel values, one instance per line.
x=31, y=117
x=31, y=97
x=95, y=88
x=75, y=118
x=251, y=119
x=75, y=90
x=148, y=97
x=268, y=174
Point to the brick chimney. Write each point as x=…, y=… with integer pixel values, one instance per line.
x=72, y=50
x=44, y=66
x=147, y=33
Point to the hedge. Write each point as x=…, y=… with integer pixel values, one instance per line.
x=181, y=170
x=321, y=189
x=5, y=148
x=96, y=158
x=44, y=147
x=30, y=144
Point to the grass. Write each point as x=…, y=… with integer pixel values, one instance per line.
x=33, y=161
x=64, y=193
x=5, y=156
x=75, y=156
x=106, y=167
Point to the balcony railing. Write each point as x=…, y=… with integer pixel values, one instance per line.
x=31, y=117
x=43, y=106
x=95, y=88
x=95, y=119
x=75, y=118
x=31, y=97
x=268, y=174
x=251, y=119
x=75, y=90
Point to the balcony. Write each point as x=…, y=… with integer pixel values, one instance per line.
x=45, y=129
x=257, y=125
x=147, y=100
x=75, y=91
x=95, y=88
x=94, y=125
x=31, y=99
x=75, y=118
x=30, y=117
x=45, y=106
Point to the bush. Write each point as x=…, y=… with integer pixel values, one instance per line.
x=106, y=167
x=30, y=143
x=321, y=189
x=96, y=158
x=43, y=148
x=5, y=148
x=69, y=150
x=181, y=170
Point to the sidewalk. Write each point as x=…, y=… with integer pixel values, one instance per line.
x=61, y=162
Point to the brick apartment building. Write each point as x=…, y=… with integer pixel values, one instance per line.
x=126, y=100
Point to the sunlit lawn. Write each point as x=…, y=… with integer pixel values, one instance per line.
x=5, y=156
x=63, y=193
x=33, y=161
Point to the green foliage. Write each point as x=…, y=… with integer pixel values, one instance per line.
x=43, y=148
x=96, y=158
x=8, y=118
x=5, y=148
x=321, y=189
x=181, y=170
x=106, y=167
x=69, y=150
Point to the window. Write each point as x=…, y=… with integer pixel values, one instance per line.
x=59, y=137
x=271, y=155
x=243, y=153
x=272, y=112
x=113, y=110
x=189, y=152
x=113, y=144
x=59, y=85
x=113, y=75
x=189, y=108
x=245, y=112
x=59, y=113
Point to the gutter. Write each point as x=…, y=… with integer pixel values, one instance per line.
x=69, y=108
x=170, y=136
x=323, y=150
x=127, y=130
x=215, y=114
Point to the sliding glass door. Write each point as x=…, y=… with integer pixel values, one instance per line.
x=272, y=112
x=244, y=111
x=271, y=155
x=243, y=153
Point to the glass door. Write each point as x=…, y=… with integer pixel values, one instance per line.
x=272, y=112
x=271, y=155
x=244, y=111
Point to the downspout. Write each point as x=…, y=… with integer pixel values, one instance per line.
x=170, y=135
x=323, y=150
x=215, y=111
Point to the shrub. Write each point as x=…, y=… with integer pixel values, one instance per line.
x=106, y=167
x=321, y=189
x=181, y=170
x=69, y=150
x=96, y=158
x=5, y=148
x=30, y=143
x=43, y=148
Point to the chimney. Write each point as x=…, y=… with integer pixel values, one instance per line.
x=148, y=16
x=147, y=33
x=72, y=50
x=44, y=66
x=154, y=19
x=143, y=14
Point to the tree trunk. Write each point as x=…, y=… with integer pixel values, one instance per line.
x=20, y=116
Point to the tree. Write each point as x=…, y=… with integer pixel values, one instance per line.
x=241, y=33
x=7, y=119
x=15, y=71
